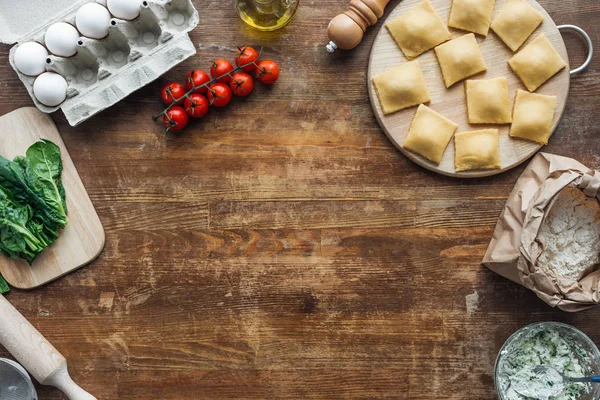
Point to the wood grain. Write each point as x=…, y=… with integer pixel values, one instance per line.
x=451, y=102
x=35, y=353
x=82, y=239
x=277, y=284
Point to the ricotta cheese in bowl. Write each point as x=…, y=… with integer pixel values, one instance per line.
x=559, y=346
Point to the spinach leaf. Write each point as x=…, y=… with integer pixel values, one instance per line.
x=13, y=177
x=32, y=201
x=17, y=240
x=43, y=171
x=4, y=288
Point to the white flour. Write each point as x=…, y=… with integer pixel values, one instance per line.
x=571, y=232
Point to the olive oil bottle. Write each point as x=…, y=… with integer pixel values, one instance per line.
x=266, y=15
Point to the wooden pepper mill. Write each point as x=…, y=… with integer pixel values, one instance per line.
x=346, y=30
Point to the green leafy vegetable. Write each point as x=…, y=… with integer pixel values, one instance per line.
x=3, y=286
x=33, y=205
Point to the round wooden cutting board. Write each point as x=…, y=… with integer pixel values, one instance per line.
x=451, y=103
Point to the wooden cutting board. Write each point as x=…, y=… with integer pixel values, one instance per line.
x=451, y=103
x=82, y=239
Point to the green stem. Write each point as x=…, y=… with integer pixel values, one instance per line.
x=34, y=243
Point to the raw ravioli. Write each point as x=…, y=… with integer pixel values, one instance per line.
x=459, y=59
x=472, y=15
x=418, y=30
x=477, y=150
x=488, y=101
x=516, y=22
x=401, y=87
x=537, y=62
x=533, y=116
x=429, y=134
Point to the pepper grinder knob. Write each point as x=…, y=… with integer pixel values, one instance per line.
x=346, y=30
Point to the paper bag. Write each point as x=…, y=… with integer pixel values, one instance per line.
x=515, y=245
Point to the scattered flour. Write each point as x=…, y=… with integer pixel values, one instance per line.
x=472, y=301
x=571, y=232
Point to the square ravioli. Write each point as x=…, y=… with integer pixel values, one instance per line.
x=516, y=22
x=418, y=30
x=537, y=62
x=488, y=101
x=533, y=116
x=401, y=87
x=459, y=59
x=472, y=15
x=429, y=134
x=477, y=150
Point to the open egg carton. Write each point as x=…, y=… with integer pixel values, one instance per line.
x=103, y=71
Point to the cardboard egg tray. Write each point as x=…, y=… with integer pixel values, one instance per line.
x=107, y=70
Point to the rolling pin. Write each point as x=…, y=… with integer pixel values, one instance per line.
x=35, y=353
x=346, y=30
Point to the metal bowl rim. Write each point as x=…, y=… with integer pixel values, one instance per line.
x=21, y=370
x=531, y=327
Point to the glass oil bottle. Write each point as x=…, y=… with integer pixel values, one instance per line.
x=266, y=15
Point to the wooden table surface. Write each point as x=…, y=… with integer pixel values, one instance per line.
x=284, y=248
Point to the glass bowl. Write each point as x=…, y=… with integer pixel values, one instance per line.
x=589, y=360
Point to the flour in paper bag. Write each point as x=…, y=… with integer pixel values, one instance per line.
x=571, y=233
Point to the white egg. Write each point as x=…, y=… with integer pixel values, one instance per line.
x=30, y=58
x=124, y=9
x=93, y=20
x=50, y=89
x=61, y=39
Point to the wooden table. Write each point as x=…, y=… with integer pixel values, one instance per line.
x=284, y=248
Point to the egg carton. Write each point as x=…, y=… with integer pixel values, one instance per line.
x=104, y=71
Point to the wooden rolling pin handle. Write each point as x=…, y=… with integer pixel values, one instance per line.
x=35, y=353
x=346, y=30
x=61, y=380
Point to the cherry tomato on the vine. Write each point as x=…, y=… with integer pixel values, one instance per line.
x=196, y=105
x=246, y=55
x=221, y=67
x=195, y=79
x=175, y=119
x=267, y=72
x=171, y=93
x=241, y=84
x=219, y=95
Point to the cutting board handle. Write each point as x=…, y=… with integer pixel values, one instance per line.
x=35, y=353
x=590, y=46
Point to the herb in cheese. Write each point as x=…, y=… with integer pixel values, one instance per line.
x=542, y=347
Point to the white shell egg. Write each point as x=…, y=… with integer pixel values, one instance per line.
x=124, y=9
x=61, y=39
x=50, y=89
x=30, y=58
x=93, y=20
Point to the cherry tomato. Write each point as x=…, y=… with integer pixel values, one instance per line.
x=219, y=95
x=221, y=67
x=195, y=79
x=175, y=119
x=196, y=105
x=246, y=55
x=267, y=72
x=241, y=84
x=172, y=93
